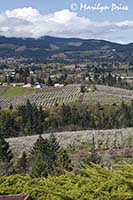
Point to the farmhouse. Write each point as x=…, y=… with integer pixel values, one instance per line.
x=28, y=85
x=129, y=78
x=58, y=85
x=37, y=85
x=17, y=84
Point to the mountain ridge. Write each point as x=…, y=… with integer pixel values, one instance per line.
x=48, y=46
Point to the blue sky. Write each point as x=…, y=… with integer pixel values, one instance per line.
x=111, y=25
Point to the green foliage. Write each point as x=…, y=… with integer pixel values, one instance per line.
x=39, y=158
x=93, y=156
x=5, y=157
x=82, y=88
x=16, y=91
x=22, y=165
x=92, y=182
x=5, y=152
x=63, y=163
x=29, y=119
x=47, y=157
x=131, y=114
x=49, y=82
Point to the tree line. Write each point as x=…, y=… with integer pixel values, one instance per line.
x=46, y=157
x=104, y=78
x=28, y=119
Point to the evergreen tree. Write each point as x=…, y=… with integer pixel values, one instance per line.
x=50, y=82
x=96, y=78
x=124, y=118
x=22, y=165
x=65, y=114
x=63, y=163
x=32, y=80
x=131, y=113
x=25, y=79
x=103, y=80
x=11, y=107
x=5, y=152
x=5, y=157
x=119, y=81
x=39, y=166
x=53, y=149
x=39, y=158
x=44, y=156
x=39, y=145
x=82, y=89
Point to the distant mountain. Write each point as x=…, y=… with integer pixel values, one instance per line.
x=65, y=48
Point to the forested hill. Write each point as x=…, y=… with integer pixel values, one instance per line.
x=68, y=48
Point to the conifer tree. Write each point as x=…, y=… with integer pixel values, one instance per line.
x=63, y=163
x=124, y=118
x=45, y=155
x=39, y=167
x=11, y=107
x=22, y=166
x=5, y=157
x=131, y=113
x=40, y=158
x=5, y=152
x=50, y=82
x=39, y=145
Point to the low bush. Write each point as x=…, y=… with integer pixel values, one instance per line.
x=92, y=182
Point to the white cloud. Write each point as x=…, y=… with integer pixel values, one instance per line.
x=28, y=22
x=23, y=13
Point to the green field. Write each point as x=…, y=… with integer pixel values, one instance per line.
x=16, y=91
x=49, y=96
x=19, y=91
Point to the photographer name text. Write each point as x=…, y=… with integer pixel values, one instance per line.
x=98, y=7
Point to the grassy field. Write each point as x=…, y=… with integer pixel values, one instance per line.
x=20, y=91
x=15, y=91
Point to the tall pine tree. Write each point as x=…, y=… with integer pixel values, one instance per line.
x=5, y=157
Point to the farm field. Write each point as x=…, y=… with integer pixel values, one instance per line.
x=15, y=91
x=48, y=97
x=45, y=97
x=115, y=143
x=107, y=95
x=20, y=91
x=2, y=90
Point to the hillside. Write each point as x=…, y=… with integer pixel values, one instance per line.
x=65, y=48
